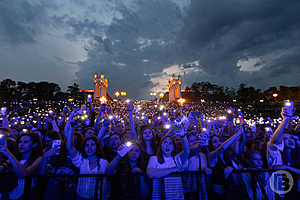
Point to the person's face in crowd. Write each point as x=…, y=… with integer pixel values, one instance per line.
x=115, y=141
x=193, y=140
x=14, y=133
x=268, y=133
x=128, y=134
x=289, y=141
x=83, y=107
x=216, y=142
x=25, y=144
x=134, y=153
x=90, y=147
x=249, y=136
x=147, y=135
x=167, y=146
x=118, y=128
x=256, y=160
x=88, y=133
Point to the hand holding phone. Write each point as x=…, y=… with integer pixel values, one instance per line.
x=3, y=111
x=89, y=98
x=125, y=148
x=289, y=105
x=2, y=139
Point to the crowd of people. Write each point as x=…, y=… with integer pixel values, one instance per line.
x=145, y=151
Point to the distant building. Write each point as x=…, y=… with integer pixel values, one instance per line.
x=174, y=89
x=100, y=86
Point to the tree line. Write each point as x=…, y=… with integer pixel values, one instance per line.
x=11, y=90
x=244, y=94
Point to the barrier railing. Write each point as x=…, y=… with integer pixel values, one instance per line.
x=90, y=186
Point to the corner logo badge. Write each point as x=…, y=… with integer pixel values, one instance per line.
x=281, y=182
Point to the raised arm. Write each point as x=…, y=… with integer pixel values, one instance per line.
x=18, y=168
x=69, y=144
x=131, y=121
x=212, y=156
x=103, y=129
x=277, y=136
x=160, y=172
x=101, y=112
x=4, y=121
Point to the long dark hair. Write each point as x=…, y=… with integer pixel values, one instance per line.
x=141, y=159
x=143, y=144
x=159, y=152
x=37, y=151
x=99, y=150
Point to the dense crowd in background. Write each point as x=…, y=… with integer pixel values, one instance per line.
x=145, y=150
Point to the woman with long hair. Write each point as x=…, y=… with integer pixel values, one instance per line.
x=129, y=175
x=89, y=161
x=164, y=164
x=25, y=163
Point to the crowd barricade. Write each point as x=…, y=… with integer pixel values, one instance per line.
x=195, y=185
x=62, y=186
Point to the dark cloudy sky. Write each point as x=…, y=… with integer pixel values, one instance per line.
x=139, y=44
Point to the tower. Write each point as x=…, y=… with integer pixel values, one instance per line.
x=100, y=86
x=174, y=89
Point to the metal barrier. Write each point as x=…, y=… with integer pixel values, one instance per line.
x=90, y=186
x=59, y=186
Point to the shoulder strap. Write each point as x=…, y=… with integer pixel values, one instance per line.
x=175, y=161
x=199, y=161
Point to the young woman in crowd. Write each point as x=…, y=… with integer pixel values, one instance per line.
x=90, y=161
x=257, y=184
x=165, y=163
x=217, y=162
x=25, y=163
x=129, y=177
x=195, y=184
x=56, y=161
x=148, y=141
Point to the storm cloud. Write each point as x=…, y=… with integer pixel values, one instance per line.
x=139, y=44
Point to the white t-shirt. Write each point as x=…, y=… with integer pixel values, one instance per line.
x=86, y=186
x=172, y=191
x=168, y=162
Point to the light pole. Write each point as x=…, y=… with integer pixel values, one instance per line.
x=117, y=94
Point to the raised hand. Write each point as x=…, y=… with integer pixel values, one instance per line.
x=130, y=107
x=102, y=107
x=124, y=149
x=136, y=170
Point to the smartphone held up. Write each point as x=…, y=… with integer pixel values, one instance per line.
x=289, y=105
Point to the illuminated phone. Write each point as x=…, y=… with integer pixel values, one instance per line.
x=3, y=110
x=128, y=144
x=290, y=106
x=2, y=139
x=167, y=126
